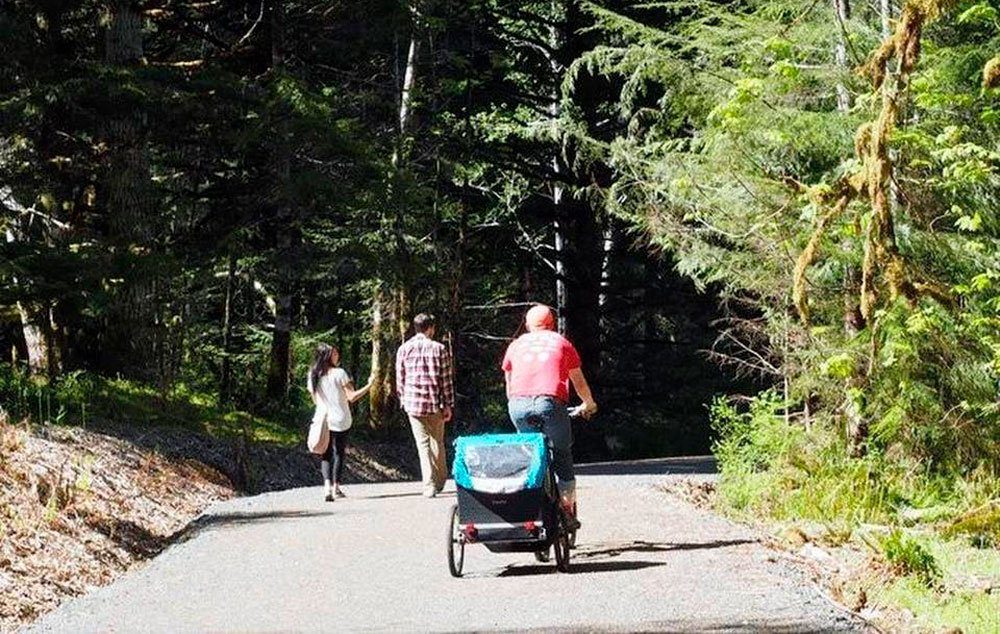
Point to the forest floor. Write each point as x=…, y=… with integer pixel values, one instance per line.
x=79, y=507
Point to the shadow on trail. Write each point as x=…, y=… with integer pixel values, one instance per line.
x=414, y=494
x=221, y=520
x=702, y=626
x=137, y=540
x=701, y=465
x=580, y=568
x=651, y=547
x=618, y=565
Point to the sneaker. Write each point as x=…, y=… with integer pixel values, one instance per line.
x=329, y=497
x=339, y=493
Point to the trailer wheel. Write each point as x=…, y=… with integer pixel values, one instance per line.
x=456, y=545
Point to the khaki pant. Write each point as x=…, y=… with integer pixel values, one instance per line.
x=428, y=433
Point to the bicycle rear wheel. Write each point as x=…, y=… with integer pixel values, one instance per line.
x=561, y=548
x=572, y=533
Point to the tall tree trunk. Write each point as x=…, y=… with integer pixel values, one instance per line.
x=559, y=246
x=35, y=340
x=880, y=241
x=842, y=11
x=853, y=320
x=382, y=369
x=287, y=230
x=889, y=92
x=279, y=367
x=131, y=345
x=583, y=301
x=607, y=247
x=123, y=39
x=35, y=320
x=409, y=82
x=391, y=302
x=556, y=42
x=225, y=378
x=401, y=293
x=456, y=298
x=578, y=232
x=606, y=282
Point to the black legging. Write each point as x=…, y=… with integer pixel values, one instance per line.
x=335, y=451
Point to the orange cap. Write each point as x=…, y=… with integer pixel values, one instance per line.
x=540, y=317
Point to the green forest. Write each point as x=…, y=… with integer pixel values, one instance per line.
x=769, y=226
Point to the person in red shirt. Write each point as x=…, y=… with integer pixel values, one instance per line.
x=538, y=368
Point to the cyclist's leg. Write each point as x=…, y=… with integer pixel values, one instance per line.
x=557, y=427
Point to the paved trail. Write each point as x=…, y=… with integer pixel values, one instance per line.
x=376, y=562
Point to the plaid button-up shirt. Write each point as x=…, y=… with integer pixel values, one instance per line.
x=424, y=376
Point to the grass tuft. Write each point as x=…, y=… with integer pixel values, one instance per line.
x=907, y=556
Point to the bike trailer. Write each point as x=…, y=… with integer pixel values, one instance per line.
x=501, y=484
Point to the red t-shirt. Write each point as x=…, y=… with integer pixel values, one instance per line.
x=539, y=364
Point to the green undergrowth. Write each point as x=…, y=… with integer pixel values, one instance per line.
x=89, y=400
x=966, y=593
x=935, y=529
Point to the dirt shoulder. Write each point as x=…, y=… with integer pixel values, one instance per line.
x=792, y=546
x=853, y=573
x=79, y=507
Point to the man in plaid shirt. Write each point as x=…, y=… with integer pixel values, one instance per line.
x=426, y=388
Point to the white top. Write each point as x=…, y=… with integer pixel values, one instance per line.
x=331, y=400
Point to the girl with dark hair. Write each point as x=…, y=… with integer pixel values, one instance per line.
x=332, y=392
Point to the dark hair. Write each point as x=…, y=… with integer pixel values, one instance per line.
x=322, y=362
x=423, y=322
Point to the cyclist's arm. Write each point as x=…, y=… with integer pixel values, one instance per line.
x=583, y=390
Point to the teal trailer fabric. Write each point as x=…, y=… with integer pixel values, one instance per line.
x=500, y=463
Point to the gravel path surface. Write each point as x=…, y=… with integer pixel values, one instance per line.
x=376, y=562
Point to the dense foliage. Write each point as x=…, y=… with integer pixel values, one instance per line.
x=194, y=194
x=832, y=168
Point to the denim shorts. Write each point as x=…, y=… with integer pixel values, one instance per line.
x=550, y=416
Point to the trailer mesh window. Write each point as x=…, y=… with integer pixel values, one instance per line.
x=496, y=462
